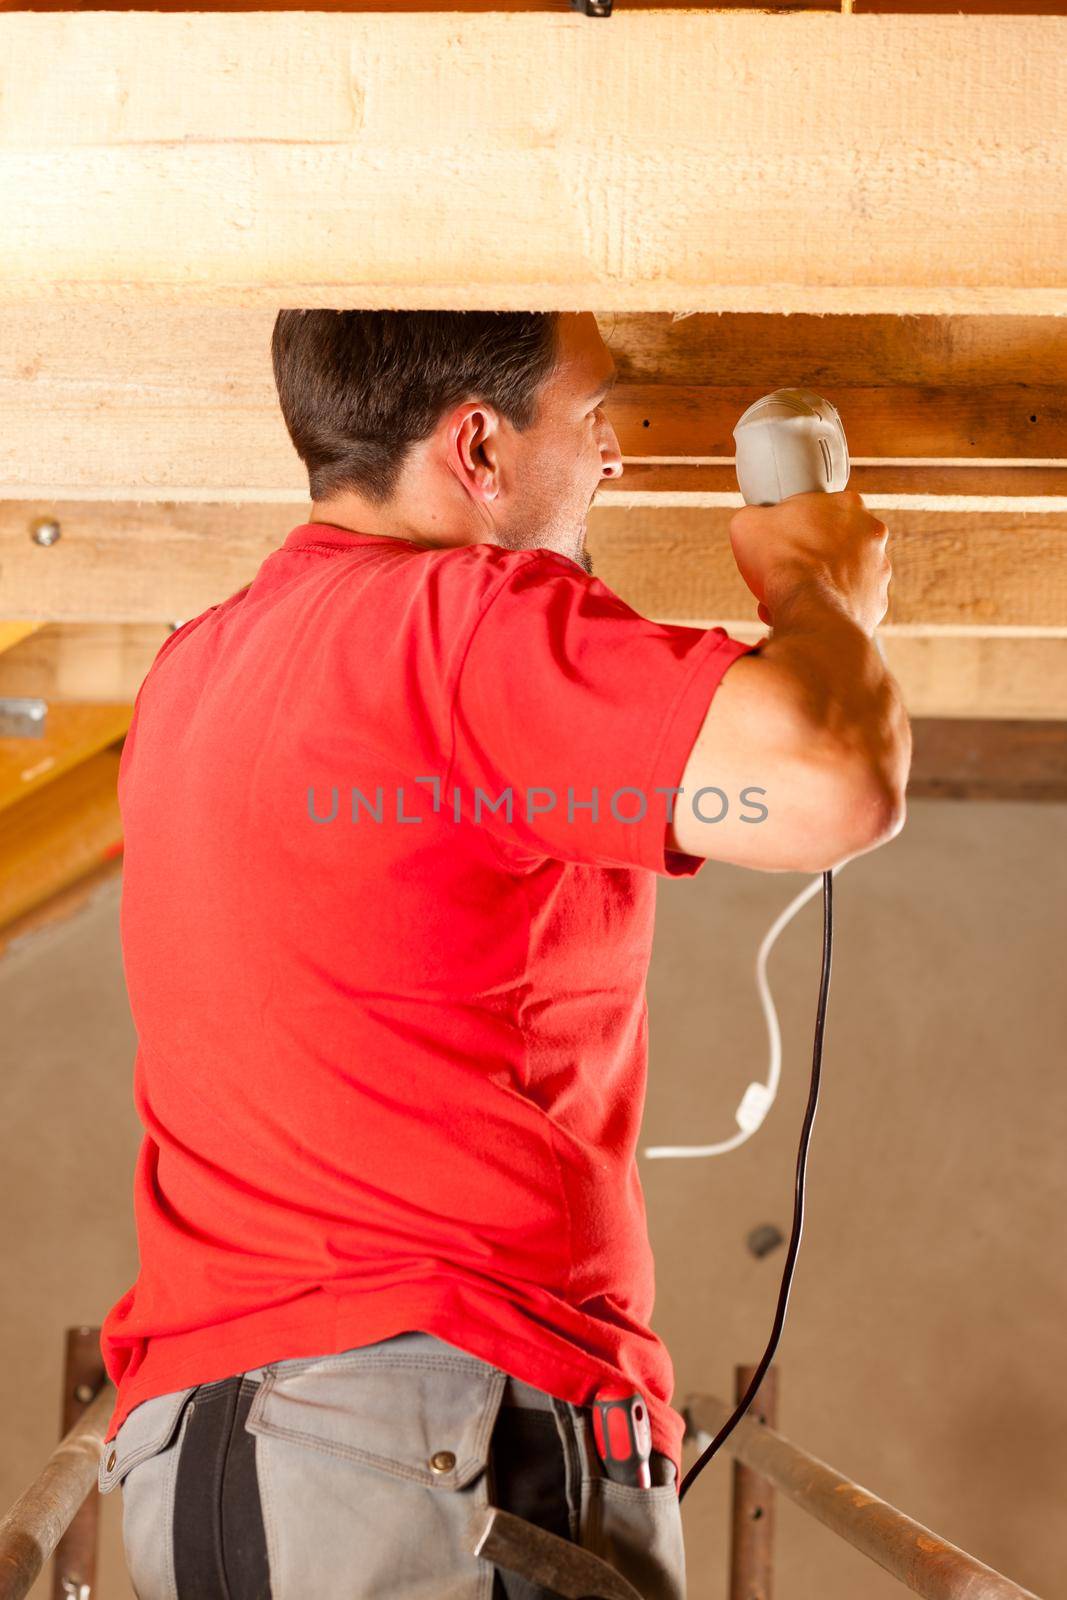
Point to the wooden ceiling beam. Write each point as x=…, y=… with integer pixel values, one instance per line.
x=993, y=678
x=949, y=571
x=331, y=161
x=155, y=404
x=974, y=8
x=765, y=350
x=98, y=663
x=943, y=675
x=1018, y=421
x=561, y=7
x=975, y=759
x=127, y=562
x=884, y=486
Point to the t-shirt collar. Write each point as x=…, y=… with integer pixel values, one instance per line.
x=328, y=533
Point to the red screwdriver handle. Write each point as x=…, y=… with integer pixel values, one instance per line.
x=623, y=1435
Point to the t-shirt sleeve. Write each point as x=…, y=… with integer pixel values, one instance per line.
x=573, y=717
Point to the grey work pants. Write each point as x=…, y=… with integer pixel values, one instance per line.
x=355, y=1477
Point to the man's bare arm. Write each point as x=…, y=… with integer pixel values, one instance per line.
x=814, y=718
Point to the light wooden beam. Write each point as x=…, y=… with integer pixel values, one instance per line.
x=145, y=411
x=763, y=350
x=126, y=562
x=883, y=485
x=675, y=484
x=133, y=402
x=944, y=675
x=975, y=8
x=955, y=389
x=992, y=640
x=1042, y=8
x=1011, y=422
x=976, y=759
x=82, y=663
x=342, y=158
x=993, y=678
x=949, y=571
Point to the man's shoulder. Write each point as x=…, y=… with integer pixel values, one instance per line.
x=482, y=572
x=498, y=561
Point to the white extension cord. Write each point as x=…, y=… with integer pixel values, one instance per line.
x=758, y=1097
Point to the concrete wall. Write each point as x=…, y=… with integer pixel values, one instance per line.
x=921, y=1352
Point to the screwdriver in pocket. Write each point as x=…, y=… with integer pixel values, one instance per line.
x=623, y=1436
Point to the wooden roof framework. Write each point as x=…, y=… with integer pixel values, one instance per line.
x=871, y=204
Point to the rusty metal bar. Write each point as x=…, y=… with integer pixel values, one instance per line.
x=916, y=1557
x=752, y=1531
x=74, y=1573
x=36, y=1522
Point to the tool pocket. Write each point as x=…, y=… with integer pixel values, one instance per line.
x=371, y=1465
x=638, y=1531
x=143, y=1459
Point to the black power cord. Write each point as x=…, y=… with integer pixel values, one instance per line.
x=798, y=1202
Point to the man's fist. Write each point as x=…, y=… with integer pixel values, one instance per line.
x=829, y=541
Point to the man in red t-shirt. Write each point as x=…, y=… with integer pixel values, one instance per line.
x=393, y=816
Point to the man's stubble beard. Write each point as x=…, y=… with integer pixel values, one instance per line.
x=534, y=537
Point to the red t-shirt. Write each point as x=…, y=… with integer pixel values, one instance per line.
x=391, y=1045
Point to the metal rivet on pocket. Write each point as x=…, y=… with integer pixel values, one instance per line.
x=442, y=1461
x=110, y=1460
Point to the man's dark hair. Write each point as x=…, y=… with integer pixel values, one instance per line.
x=358, y=388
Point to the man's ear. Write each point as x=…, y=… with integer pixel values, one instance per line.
x=473, y=453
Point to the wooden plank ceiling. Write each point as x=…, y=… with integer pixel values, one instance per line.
x=153, y=438
x=900, y=260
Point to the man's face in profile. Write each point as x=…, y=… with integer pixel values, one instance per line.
x=561, y=460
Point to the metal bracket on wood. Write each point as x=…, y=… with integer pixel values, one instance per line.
x=22, y=717
x=592, y=8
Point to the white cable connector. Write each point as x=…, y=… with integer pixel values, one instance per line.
x=754, y=1107
x=758, y=1097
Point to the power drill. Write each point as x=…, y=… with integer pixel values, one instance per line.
x=790, y=442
